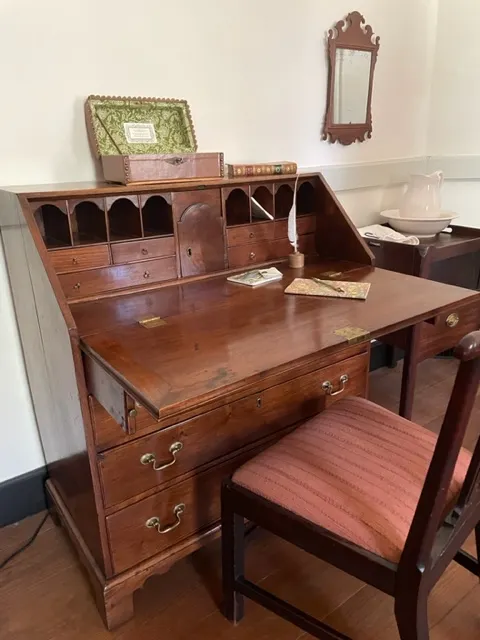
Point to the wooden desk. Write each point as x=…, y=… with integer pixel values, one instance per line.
x=141, y=422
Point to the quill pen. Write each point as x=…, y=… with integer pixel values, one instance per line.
x=292, y=221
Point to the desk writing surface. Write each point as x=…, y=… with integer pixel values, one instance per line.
x=218, y=334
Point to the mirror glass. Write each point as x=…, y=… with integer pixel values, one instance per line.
x=352, y=81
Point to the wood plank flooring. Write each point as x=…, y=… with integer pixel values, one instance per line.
x=44, y=595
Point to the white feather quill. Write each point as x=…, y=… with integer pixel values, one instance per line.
x=292, y=221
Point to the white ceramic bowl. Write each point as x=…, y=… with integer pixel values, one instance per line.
x=420, y=227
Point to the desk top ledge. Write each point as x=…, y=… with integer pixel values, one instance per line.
x=85, y=189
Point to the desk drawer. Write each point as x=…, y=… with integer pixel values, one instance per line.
x=88, y=283
x=143, y=250
x=65, y=260
x=448, y=330
x=250, y=254
x=250, y=233
x=132, y=541
x=257, y=252
x=128, y=470
x=305, y=224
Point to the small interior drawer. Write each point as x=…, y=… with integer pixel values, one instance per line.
x=149, y=462
x=65, y=260
x=88, y=283
x=142, y=250
x=250, y=254
x=250, y=233
x=305, y=224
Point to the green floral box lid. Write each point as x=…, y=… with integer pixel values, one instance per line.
x=130, y=126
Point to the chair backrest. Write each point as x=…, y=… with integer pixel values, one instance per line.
x=430, y=536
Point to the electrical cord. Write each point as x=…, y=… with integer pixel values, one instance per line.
x=4, y=563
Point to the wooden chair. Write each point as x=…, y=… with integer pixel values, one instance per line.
x=373, y=494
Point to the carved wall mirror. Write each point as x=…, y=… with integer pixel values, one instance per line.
x=352, y=53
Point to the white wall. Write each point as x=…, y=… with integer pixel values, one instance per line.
x=20, y=449
x=454, y=133
x=254, y=73
x=455, y=103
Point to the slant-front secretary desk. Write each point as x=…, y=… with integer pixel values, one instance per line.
x=153, y=377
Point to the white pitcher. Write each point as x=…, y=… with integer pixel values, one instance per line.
x=422, y=198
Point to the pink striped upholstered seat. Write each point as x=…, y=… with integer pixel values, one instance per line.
x=357, y=470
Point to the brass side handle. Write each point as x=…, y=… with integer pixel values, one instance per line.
x=452, y=320
x=149, y=458
x=155, y=523
x=327, y=386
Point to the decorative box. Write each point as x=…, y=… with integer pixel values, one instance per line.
x=147, y=140
x=157, y=167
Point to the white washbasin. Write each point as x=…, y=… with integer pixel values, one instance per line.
x=420, y=227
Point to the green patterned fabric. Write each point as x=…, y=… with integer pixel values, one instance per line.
x=170, y=119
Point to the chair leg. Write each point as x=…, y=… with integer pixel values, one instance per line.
x=477, y=542
x=412, y=616
x=233, y=557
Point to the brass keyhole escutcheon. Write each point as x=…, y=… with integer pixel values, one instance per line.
x=259, y=403
x=452, y=320
x=189, y=252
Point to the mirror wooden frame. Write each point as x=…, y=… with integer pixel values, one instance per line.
x=351, y=33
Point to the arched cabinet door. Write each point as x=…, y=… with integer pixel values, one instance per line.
x=200, y=232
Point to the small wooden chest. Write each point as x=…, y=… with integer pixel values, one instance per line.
x=131, y=169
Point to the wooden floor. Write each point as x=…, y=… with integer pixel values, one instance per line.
x=44, y=595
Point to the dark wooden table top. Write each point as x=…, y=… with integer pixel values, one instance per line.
x=219, y=335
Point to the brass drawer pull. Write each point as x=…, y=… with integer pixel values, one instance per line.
x=144, y=252
x=154, y=523
x=77, y=286
x=146, y=274
x=252, y=256
x=74, y=261
x=149, y=458
x=252, y=235
x=452, y=320
x=328, y=386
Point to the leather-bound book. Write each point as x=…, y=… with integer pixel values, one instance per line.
x=263, y=169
